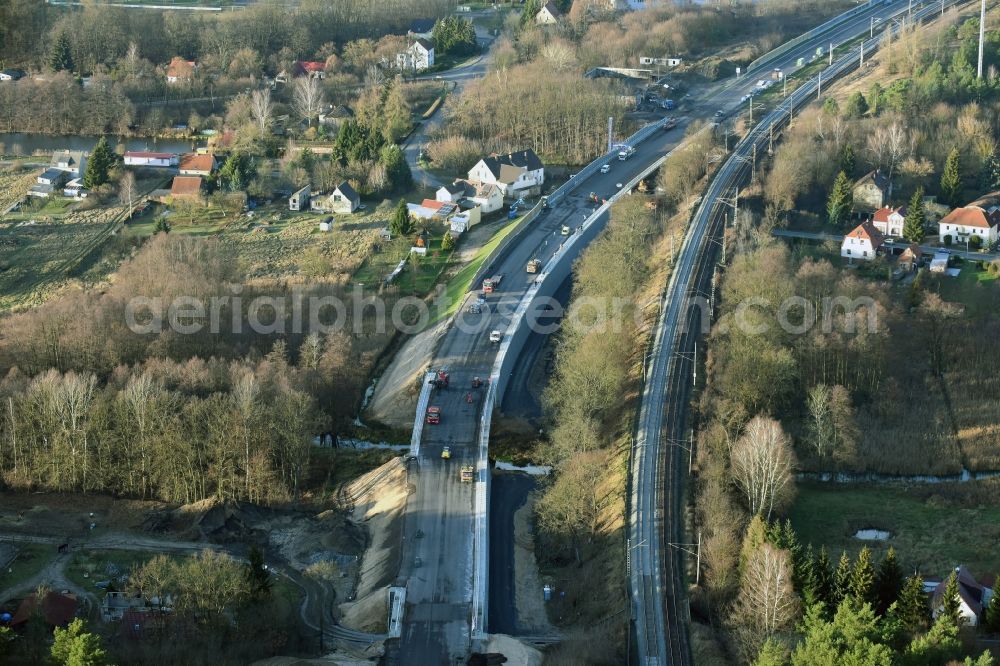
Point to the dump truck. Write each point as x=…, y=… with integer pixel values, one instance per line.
x=433, y=415
x=466, y=473
x=491, y=283
x=670, y=124
x=533, y=266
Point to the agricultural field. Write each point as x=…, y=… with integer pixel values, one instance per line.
x=933, y=527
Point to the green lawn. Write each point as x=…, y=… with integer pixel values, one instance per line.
x=421, y=272
x=461, y=282
x=934, y=527
x=977, y=290
x=31, y=558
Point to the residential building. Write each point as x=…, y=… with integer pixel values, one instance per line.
x=973, y=596
x=549, y=14
x=138, y=158
x=57, y=609
x=516, y=174
x=180, y=70
x=488, y=196
x=343, y=199
x=336, y=116
x=12, y=74
x=910, y=259
x=432, y=209
x=453, y=193
x=73, y=162
x=186, y=187
x=310, y=68
x=75, y=189
x=197, y=164
x=872, y=191
x=422, y=28
x=980, y=218
x=299, y=199
x=419, y=56
x=862, y=243
x=53, y=177
x=890, y=220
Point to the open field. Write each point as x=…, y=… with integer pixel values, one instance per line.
x=421, y=272
x=934, y=527
x=30, y=559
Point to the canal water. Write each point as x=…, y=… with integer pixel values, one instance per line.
x=28, y=144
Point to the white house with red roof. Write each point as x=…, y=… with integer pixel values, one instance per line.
x=890, y=220
x=980, y=218
x=180, y=70
x=862, y=243
x=311, y=68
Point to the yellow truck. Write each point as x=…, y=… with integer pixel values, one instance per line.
x=466, y=473
x=533, y=266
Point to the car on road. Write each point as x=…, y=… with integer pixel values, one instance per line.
x=618, y=185
x=495, y=335
x=475, y=308
x=606, y=168
x=446, y=453
x=565, y=230
x=720, y=113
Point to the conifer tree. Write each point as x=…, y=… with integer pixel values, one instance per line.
x=916, y=217
x=912, y=607
x=841, y=580
x=838, y=206
x=888, y=581
x=951, y=179
x=863, y=578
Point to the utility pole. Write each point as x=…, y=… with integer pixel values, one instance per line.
x=784, y=86
x=611, y=127
x=982, y=33
x=753, y=167
x=831, y=53
x=819, y=85
x=862, y=64
x=871, y=29
x=697, y=567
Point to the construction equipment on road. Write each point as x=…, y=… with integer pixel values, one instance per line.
x=468, y=398
x=533, y=266
x=593, y=197
x=495, y=335
x=466, y=473
x=476, y=382
x=441, y=380
x=433, y=416
x=490, y=284
x=565, y=230
x=670, y=124
x=446, y=453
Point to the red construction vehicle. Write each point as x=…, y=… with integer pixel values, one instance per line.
x=491, y=283
x=441, y=380
x=433, y=415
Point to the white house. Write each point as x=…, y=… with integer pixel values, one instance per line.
x=549, y=14
x=180, y=70
x=973, y=597
x=862, y=243
x=516, y=174
x=453, y=193
x=343, y=199
x=488, y=196
x=980, y=218
x=138, y=158
x=418, y=57
x=75, y=189
x=299, y=199
x=890, y=220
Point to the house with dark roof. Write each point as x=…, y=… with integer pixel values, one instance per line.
x=73, y=162
x=862, y=243
x=419, y=56
x=973, y=597
x=422, y=27
x=980, y=218
x=549, y=14
x=515, y=174
x=344, y=199
x=872, y=191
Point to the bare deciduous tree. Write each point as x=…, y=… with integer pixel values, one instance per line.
x=767, y=602
x=307, y=96
x=127, y=190
x=261, y=110
x=762, y=462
